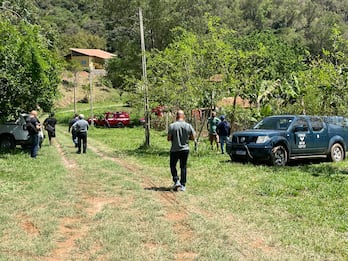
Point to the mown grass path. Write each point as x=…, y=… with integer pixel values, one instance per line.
x=113, y=203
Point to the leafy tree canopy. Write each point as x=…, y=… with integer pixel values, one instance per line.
x=29, y=72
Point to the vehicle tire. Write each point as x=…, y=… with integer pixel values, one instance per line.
x=336, y=153
x=7, y=143
x=279, y=156
x=120, y=125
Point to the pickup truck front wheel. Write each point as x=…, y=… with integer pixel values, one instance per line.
x=7, y=143
x=279, y=156
x=336, y=153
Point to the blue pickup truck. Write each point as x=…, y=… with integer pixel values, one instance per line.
x=279, y=139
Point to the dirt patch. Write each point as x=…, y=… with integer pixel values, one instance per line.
x=97, y=204
x=261, y=244
x=176, y=216
x=30, y=228
x=69, y=231
x=186, y=256
x=68, y=163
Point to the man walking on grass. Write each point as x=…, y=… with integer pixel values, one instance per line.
x=81, y=128
x=179, y=133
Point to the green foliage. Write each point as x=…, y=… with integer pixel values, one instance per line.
x=29, y=73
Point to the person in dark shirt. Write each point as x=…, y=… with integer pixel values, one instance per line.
x=224, y=130
x=33, y=127
x=73, y=132
x=50, y=127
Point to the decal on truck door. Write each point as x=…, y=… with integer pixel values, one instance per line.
x=301, y=140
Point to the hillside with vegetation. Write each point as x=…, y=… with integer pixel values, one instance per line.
x=281, y=56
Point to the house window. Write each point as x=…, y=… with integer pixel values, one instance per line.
x=83, y=62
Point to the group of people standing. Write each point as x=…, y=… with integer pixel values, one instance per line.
x=78, y=127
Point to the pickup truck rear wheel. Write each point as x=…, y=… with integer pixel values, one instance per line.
x=120, y=125
x=7, y=143
x=279, y=156
x=336, y=153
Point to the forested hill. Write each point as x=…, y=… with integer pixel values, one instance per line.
x=113, y=25
x=282, y=55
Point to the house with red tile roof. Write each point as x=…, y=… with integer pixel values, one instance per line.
x=89, y=57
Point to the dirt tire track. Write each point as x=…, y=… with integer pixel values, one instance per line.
x=177, y=213
x=147, y=182
x=71, y=229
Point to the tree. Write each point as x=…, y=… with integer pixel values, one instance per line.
x=29, y=72
x=180, y=75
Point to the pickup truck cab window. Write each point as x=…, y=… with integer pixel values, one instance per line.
x=301, y=125
x=274, y=123
x=316, y=123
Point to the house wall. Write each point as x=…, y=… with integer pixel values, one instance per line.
x=84, y=61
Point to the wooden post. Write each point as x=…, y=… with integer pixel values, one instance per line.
x=75, y=86
x=91, y=92
x=144, y=79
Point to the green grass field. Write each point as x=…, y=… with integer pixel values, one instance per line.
x=113, y=204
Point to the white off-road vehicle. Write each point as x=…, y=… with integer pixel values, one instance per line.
x=14, y=133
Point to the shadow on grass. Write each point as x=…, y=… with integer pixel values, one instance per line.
x=6, y=153
x=314, y=167
x=327, y=169
x=161, y=189
x=153, y=151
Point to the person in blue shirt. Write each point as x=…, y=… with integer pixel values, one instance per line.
x=223, y=129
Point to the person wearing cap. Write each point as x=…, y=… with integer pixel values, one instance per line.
x=224, y=130
x=213, y=122
x=81, y=128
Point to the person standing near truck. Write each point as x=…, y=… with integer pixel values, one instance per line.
x=179, y=133
x=33, y=127
x=223, y=129
x=213, y=122
x=50, y=127
x=73, y=133
x=81, y=128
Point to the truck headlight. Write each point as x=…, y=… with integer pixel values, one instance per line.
x=262, y=139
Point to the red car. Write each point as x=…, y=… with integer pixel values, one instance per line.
x=112, y=120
